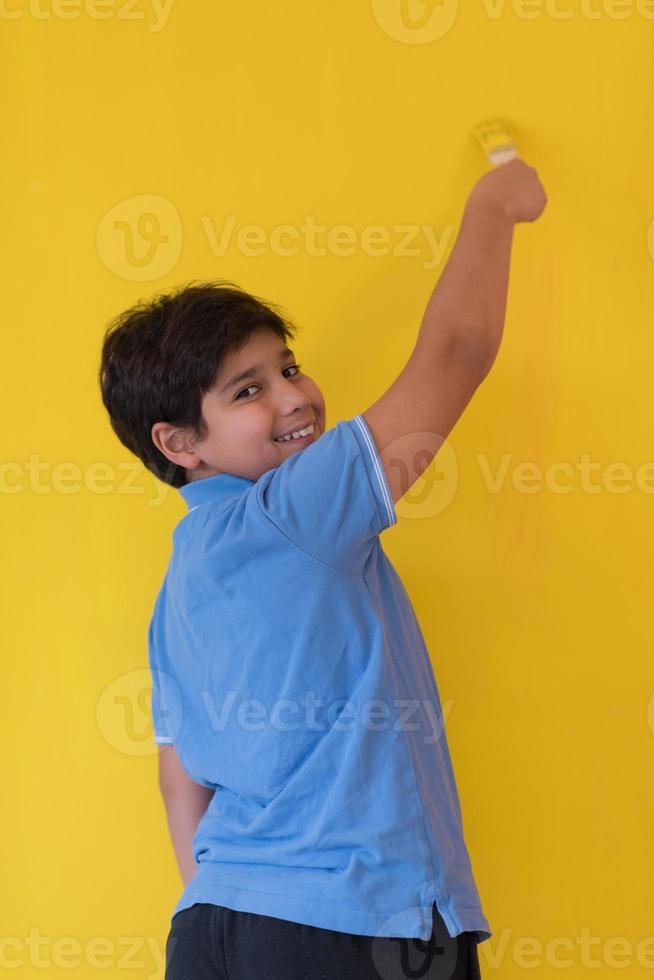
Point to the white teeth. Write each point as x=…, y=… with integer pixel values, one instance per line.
x=296, y=435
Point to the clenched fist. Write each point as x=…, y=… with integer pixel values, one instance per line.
x=513, y=189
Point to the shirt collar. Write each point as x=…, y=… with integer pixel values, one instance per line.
x=213, y=487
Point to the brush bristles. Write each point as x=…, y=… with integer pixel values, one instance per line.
x=496, y=140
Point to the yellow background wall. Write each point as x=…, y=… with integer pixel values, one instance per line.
x=132, y=133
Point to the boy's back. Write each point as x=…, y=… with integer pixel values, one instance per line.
x=291, y=675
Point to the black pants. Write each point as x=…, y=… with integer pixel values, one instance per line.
x=210, y=942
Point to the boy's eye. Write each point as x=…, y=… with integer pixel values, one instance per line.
x=289, y=368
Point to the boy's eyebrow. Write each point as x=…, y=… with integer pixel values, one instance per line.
x=283, y=354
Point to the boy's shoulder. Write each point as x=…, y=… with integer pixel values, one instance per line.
x=330, y=500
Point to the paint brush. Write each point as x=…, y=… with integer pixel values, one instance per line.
x=495, y=136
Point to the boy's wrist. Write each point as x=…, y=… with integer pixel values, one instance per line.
x=482, y=207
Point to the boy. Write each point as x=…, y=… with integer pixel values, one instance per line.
x=306, y=778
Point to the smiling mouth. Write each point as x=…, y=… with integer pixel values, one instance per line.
x=309, y=430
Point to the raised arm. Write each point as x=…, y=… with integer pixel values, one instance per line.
x=185, y=802
x=461, y=329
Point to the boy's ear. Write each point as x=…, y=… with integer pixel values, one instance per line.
x=176, y=444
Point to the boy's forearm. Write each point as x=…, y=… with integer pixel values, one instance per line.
x=468, y=304
x=184, y=811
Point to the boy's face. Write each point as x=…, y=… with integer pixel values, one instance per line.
x=244, y=417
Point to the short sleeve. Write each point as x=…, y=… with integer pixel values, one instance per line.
x=159, y=718
x=332, y=498
x=161, y=715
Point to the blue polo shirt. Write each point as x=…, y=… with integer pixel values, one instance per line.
x=290, y=673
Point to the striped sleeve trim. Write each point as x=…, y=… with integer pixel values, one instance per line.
x=379, y=469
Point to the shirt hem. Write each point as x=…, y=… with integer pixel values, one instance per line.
x=412, y=922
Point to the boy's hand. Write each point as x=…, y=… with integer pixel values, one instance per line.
x=513, y=189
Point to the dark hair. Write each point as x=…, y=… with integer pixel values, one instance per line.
x=162, y=355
